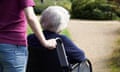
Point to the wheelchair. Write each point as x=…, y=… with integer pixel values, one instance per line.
x=43, y=60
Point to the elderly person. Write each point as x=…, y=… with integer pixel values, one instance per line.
x=53, y=20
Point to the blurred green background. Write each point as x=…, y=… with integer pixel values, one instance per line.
x=88, y=10
x=85, y=9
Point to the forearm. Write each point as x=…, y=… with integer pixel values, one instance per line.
x=35, y=25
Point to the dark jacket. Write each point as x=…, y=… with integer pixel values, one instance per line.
x=39, y=53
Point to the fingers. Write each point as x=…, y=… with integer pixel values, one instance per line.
x=51, y=43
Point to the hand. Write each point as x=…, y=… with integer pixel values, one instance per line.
x=51, y=44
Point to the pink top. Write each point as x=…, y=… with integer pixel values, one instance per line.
x=13, y=22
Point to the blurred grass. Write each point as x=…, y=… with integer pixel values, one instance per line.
x=64, y=32
x=114, y=61
x=29, y=31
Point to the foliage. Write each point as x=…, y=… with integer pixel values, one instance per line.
x=66, y=32
x=29, y=30
x=84, y=9
x=39, y=7
x=114, y=62
x=116, y=7
x=94, y=9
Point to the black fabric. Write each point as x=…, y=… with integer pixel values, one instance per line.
x=43, y=60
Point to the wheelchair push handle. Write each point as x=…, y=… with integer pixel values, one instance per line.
x=61, y=53
x=83, y=66
x=58, y=40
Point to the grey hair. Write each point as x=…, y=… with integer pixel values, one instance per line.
x=54, y=18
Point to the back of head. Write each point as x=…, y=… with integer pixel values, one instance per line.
x=54, y=18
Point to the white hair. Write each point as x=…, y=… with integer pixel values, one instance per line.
x=54, y=18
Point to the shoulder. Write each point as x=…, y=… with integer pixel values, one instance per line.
x=68, y=42
x=64, y=38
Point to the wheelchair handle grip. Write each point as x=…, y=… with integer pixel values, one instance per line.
x=58, y=40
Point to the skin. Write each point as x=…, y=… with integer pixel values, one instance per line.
x=36, y=27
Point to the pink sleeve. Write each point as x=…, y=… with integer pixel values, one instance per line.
x=27, y=3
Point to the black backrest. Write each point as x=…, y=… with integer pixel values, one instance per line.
x=44, y=60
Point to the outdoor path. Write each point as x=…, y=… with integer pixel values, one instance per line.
x=96, y=38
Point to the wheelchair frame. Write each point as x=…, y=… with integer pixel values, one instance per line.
x=40, y=60
x=63, y=58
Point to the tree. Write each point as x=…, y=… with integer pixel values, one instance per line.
x=93, y=9
x=118, y=1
